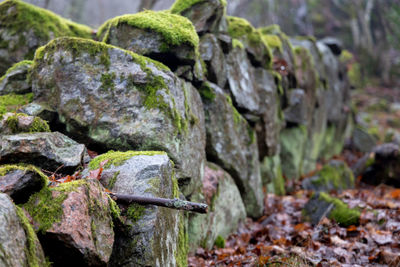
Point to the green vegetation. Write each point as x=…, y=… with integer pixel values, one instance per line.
x=117, y=158
x=183, y=242
x=341, y=213
x=135, y=212
x=182, y=5
x=4, y=169
x=236, y=115
x=16, y=66
x=237, y=43
x=38, y=125
x=339, y=176
x=207, y=92
x=114, y=209
x=175, y=29
x=272, y=41
x=11, y=102
x=219, y=242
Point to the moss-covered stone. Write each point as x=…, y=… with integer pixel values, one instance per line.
x=181, y=5
x=341, y=213
x=176, y=30
x=4, y=169
x=117, y=158
x=135, y=212
x=183, y=242
x=16, y=76
x=11, y=102
x=37, y=124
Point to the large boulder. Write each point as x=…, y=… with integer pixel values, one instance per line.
x=19, y=182
x=232, y=144
x=226, y=209
x=160, y=35
x=16, y=79
x=46, y=150
x=150, y=235
x=206, y=15
x=19, y=243
x=75, y=223
x=24, y=27
x=115, y=99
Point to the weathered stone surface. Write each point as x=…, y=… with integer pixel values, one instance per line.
x=160, y=35
x=362, y=141
x=116, y=99
x=12, y=123
x=25, y=27
x=271, y=174
x=382, y=165
x=19, y=182
x=150, y=235
x=46, y=150
x=334, y=44
x=75, y=219
x=226, y=209
x=212, y=54
x=232, y=144
x=19, y=243
x=336, y=175
x=206, y=15
x=296, y=112
x=15, y=80
x=323, y=205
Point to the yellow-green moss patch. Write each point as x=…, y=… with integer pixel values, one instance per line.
x=135, y=212
x=12, y=102
x=38, y=125
x=15, y=67
x=219, y=242
x=341, y=213
x=182, y=5
x=4, y=169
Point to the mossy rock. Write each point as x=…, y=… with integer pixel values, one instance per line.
x=158, y=34
x=271, y=174
x=14, y=123
x=322, y=204
x=15, y=80
x=25, y=27
x=206, y=15
x=240, y=29
x=12, y=102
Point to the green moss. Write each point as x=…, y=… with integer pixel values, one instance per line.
x=135, y=212
x=4, y=169
x=272, y=41
x=15, y=67
x=252, y=134
x=18, y=17
x=183, y=243
x=182, y=5
x=219, y=242
x=175, y=29
x=236, y=115
x=12, y=102
x=175, y=187
x=107, y=81
x=38, y=125
x=336, y=175
x=279, y=183
x=31, y=238
x=117, y=158
x=237, y=43
x=114, y=209
x=46, y=209
x=112, y=181
x=341, y=213
x=207, y=92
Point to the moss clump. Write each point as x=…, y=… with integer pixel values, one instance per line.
x=46, y=208
x=176, y=30
x=182, y=5
x=11, y=102
x=38, y=125
x=18, y=17
x=15, y=67
x=341, y=213
x=107, y=81
x=135, y=212
x=219, y=242
x=31, y=238
x=237, y=43
x=114, y=209
x=117, y=158
x=340, y=176
x=236, y=115
x=272, y=41
x=207, y=92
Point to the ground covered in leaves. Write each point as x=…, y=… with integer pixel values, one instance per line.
x=283, y=238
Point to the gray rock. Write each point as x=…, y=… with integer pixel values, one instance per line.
x=213, y=56
x=362, y=140
x=21, y=35
x=46, y=150
x=15, y=80
x=150, y=235
x=206, y=16
x=226, y=209
x=77, y=227
x=271, y=174
x=296, y=112
x=19, y=243
x=232, y=144
x=124, y=102
x=19, y=182
x=12, y=123
x=334, y=44
x=336, y=175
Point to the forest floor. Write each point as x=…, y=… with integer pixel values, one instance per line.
x=282, y=238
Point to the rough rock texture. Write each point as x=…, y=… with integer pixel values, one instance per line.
x=232, y=144
x=75, y=221
x=15, y=80
x=19, y=182
x=150, y=235
x=19, y=243
x=13, y=123
x=362, y=141
x=226, y=209
x=206, y=15
x=24, y=27
x=160, y=35
x=296, y=112
x=115, y=99
x=46, y=150
x=271, y=174
x=336, y=175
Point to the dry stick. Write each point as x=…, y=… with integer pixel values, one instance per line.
x=163, y=202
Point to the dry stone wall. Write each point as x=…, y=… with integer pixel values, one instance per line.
x=184, y=103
